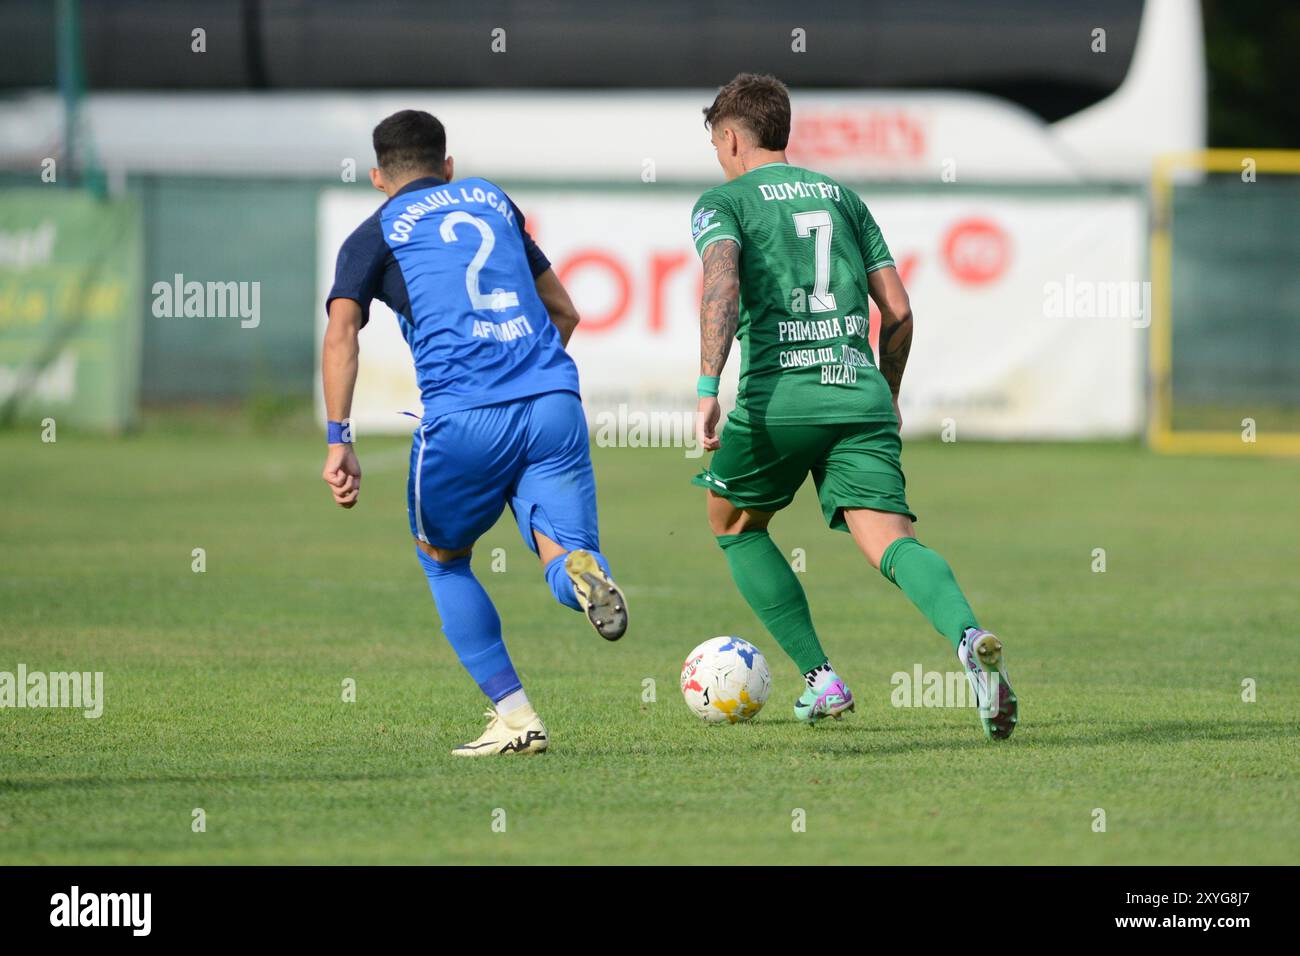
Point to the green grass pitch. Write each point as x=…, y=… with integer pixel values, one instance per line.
x=224, y=689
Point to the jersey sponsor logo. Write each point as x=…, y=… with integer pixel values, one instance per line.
x=839, y=375
x=837, y=364
x=441, y=198
x=802, y=358
x=851, y=356
x=807, y=330
x=700, y=224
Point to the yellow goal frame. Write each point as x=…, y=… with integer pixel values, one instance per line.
x=1160, y=432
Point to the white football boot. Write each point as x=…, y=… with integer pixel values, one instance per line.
x=519, y=732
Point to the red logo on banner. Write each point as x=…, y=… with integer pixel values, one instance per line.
x=829, y=135
x=595, y=259
x=976, y=251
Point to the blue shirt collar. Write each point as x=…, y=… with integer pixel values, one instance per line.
x=424, y=182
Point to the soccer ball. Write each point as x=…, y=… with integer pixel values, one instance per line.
x=725, y=678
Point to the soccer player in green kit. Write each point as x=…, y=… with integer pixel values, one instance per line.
x=790, y=257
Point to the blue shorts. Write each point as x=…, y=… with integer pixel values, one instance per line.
x=531, y=454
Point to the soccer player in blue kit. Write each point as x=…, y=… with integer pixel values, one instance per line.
x=487, y=321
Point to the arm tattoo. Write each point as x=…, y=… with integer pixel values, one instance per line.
x=895, y=343
x=720, y=306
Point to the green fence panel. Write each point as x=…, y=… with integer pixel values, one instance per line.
x=1236, y=303
x=260, y=235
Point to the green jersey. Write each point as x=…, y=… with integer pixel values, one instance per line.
x=806, y=246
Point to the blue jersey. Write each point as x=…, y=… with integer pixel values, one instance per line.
x=456, y=265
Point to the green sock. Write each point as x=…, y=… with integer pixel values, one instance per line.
x=768, y=584
x=924, y=576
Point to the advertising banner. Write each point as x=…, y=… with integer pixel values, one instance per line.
x=1030, y=312
x=70, y=279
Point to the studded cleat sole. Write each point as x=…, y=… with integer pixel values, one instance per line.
x=999, y=725
x=599, y=596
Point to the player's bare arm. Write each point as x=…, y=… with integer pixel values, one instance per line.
x=559, y=306
x=339, y=353
x=886, y=290
x=719, y=315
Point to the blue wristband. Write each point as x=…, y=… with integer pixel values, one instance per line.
x=708, y=385
x=338, y=433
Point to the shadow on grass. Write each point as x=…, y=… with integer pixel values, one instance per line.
x=1083, y=732
x=845, y=738
x=205, y=780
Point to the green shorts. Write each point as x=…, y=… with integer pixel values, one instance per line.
x=854, y=465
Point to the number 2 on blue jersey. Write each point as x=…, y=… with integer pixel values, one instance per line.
x=499, y=299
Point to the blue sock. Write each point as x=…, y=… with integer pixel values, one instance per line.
x=472, y=625
x=559, y=581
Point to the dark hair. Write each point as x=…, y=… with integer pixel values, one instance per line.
x=410, y=141
x=759, y=102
